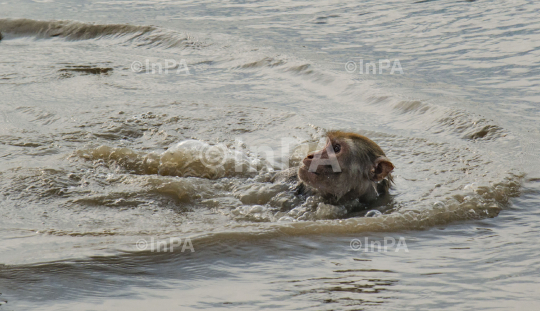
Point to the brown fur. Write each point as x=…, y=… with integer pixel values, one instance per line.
x=365, y=170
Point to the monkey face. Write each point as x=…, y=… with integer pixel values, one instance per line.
x=348, y=162
x=324, y=170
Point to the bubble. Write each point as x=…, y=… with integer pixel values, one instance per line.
x=257, y=209
x=286, y=219
x=373, y=213
x=438, y=204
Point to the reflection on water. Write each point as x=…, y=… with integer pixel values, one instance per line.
x=96, y=156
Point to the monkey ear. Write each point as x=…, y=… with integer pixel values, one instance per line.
x=381, y=168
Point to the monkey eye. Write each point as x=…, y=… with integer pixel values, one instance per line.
x=337, y=148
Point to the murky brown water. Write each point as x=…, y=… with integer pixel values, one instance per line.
x=106, y=160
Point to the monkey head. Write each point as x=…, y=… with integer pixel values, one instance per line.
x=349, y=163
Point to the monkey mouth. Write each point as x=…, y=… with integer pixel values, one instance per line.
x=305, y=168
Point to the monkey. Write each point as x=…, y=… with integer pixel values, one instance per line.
x=350, y=166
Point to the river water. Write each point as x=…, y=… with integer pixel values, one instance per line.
x=106, y=108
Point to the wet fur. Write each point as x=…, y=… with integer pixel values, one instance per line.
x=358, y=179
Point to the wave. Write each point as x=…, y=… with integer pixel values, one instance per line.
x=149, y=36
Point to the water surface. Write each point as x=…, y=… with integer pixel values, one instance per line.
x=90, y=163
